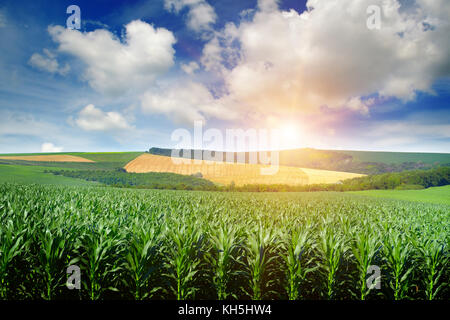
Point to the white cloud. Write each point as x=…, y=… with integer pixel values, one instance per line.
x=200, y=17
x=50, y=147
x=91, y=118
x=48, y=63
x=184, y=103
x=190, y=68
x=115, y=67
x=283, y=61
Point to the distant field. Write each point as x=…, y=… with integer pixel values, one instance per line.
x=35, y=174
x=398, y=157
x=49, y=158
x=123, y=157
x=439, y=195
x=240, y=174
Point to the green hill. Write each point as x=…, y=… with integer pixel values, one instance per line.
x=398, y=157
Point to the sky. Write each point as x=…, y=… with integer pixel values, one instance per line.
x=330, y=74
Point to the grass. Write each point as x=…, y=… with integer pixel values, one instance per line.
x=439, y=195
x=35, y=174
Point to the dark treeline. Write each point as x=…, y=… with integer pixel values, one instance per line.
x=151, y=180
x=417, y=179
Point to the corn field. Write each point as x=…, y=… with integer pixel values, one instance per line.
x=154, y=244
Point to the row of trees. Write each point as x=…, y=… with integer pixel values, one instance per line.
x=160, y=180
x=151, y=180
x=415, y=179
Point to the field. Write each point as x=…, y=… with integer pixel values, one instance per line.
x=153, y=244
x=432, y=195
x=225, y=173
x=122, y=157
x=48, y=158
x=35, y=174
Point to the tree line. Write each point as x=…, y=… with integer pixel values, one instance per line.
x=415, y=179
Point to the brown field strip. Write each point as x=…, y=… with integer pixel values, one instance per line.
x=241, y=174
x=48, y=158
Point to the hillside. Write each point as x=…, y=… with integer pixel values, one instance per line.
x=364, y=162
x=239, y=173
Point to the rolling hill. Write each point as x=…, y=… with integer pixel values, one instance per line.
x=364, y=162
x=239, y=173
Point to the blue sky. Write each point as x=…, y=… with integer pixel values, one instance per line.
x=138, y=70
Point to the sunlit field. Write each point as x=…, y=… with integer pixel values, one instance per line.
x=225, y=173
x=153, y=244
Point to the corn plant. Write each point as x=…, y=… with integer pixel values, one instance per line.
x=295, y=246
x=398, y=255
x=52, y=255
x=364, y=248
x=100, y=259
x=433, y=263
x=141, y=259
x=259, y=255
x=182, y=263
x=225, y=251
x=331, y=249
x=11, y=246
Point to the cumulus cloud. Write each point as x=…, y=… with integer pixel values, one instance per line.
x=48, y=63
x=117, y=66
x=91, y=118
x=284, y=61
x=190, y=68
x=200, y=17
x=184, y=103
x=50, y=147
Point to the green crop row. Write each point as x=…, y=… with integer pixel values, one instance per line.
x=155, y=244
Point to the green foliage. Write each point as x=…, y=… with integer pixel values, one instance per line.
x=364, y=248
x=419, y=179
x=296, y=245
x=331, y=248
x=151, y=180
x=224, y=253
x=158, y=244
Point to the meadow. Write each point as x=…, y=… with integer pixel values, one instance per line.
x=25, y=174
x=165, y=244
x=432, y=195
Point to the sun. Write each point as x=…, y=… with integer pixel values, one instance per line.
x=290, y=135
